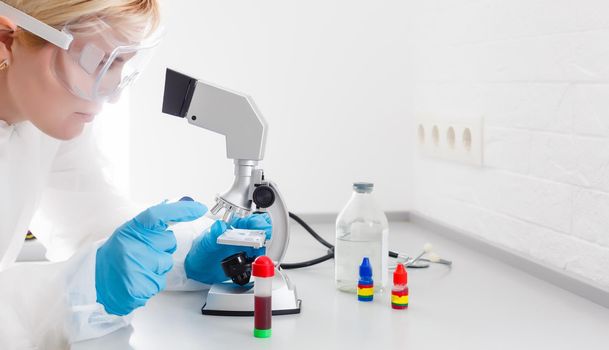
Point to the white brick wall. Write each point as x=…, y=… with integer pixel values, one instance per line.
x=538, y=72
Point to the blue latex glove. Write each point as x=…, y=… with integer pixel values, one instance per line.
x=203, y=261
x=131, y=265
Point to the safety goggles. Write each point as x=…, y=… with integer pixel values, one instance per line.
x=92, y=61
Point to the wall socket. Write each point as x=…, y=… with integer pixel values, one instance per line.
x=458, y=140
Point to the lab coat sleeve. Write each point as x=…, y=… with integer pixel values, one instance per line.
x=79, y=205
x=185, y=233
x=50, y=305
x=33, y=307
x=78, y=210
x=82, y=316
x=85, y=318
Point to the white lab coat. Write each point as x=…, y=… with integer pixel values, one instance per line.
x=58, y=191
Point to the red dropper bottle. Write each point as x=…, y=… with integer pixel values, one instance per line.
x=399, y=292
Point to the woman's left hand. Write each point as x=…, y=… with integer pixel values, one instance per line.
x=203, y=261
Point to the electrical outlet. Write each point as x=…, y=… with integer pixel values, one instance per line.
x=459, y=140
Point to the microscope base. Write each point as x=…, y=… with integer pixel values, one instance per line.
x=229, y=299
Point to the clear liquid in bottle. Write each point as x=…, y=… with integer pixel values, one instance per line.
x=362, y=231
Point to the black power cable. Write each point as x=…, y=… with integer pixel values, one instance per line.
x=330, y=246
x=311, y=231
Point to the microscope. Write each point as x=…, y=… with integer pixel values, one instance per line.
x=236, y=116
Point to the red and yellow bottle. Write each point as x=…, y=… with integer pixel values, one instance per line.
x=399, y=293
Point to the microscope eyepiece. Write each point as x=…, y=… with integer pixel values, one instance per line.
x=179, y=89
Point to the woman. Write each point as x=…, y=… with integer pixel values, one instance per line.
x=60, y=61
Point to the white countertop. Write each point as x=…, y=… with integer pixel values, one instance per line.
x=480, y=303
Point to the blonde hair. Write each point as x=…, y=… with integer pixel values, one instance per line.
x=132, y=18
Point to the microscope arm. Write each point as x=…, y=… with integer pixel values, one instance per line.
x=280, y=217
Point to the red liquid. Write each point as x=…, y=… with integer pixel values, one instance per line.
x=263, y=312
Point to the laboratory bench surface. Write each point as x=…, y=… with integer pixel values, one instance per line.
x=479, y=303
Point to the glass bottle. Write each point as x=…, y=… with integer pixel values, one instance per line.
x=362, y=231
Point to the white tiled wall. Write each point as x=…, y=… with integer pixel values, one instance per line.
x=538, y=73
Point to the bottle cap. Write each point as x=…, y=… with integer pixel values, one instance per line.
x=363, y=187
x=365, y=269
x=400, y=276
x=263, y=267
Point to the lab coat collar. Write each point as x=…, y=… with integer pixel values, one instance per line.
x=6, y=130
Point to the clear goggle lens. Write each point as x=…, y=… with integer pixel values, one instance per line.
x=99, y=64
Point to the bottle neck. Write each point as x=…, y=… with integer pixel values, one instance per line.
x=361, y=194
x=366, y=198
x=362, y=206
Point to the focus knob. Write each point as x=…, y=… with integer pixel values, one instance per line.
x=263, y=196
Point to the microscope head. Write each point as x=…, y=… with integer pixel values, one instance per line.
x=220, y=110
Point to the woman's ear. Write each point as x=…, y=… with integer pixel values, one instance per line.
x=7, y=35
